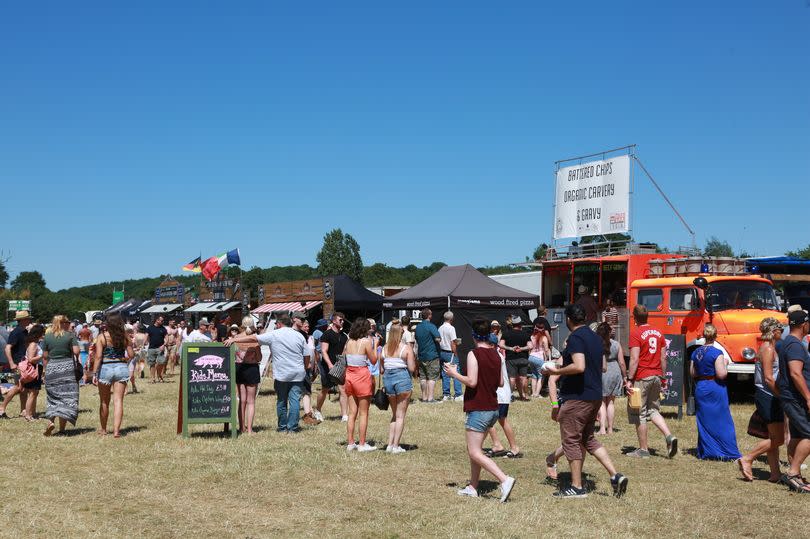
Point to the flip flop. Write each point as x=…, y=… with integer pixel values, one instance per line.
x=500, y=453
x=746, y=472
x=511, y=455
x=49, y=430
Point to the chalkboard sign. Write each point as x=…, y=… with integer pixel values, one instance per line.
x=674, y=351
x=209, y=385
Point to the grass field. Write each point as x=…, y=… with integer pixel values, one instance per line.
x=153, y=483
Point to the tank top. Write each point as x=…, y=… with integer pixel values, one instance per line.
x=395, y=362
x=356, y=360
x=483, y=397
x=759, y=378
x=110, y=354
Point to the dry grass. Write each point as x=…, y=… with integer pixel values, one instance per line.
x=153, y=483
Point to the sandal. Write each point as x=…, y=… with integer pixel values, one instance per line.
x=796, y=483
x=49, y=430
x=746, y=472
x=511, y=455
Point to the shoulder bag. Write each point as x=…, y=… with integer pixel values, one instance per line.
x=338, y=371
x=28, y=371
x=380, y=399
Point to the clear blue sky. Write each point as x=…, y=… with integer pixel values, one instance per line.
x=135, y=136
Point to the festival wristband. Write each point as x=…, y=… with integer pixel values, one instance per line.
x=555, y=403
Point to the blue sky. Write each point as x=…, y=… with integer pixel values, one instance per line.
x=135, y=136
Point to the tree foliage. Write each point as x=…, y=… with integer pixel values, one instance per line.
x=716, y=247
x=340, y=255
x=3, y=274
x=800, y=253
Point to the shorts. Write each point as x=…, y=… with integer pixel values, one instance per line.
x=326, y=380
x=170, y=349
x=576, y=419
x=429, y=369
x=503, y=411
x=155, y=356
x=113, y=372
x=517, y=367
x=481, y=420
x=247, y=374
x=769, y=407
x=535, y=365
x=798, y=419
x=650, y=388
x=358, y=382
x=397, y=381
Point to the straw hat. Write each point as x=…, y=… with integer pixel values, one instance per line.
x=22, y=315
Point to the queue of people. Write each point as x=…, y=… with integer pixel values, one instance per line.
x=582, y=382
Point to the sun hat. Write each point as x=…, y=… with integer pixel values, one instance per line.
x=495, y=323
x=22, y=315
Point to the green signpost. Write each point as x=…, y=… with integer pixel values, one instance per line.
x=208, y=390
x=118, y=296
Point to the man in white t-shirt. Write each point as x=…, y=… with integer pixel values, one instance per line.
x=407, y=334
x=290, y=356
x=448, y=353
x=199, y=334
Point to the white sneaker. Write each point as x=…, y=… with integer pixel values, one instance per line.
x=459, y=398
x=317, y=415
x=389, y=448
x=345, y=418
x=351, y=447
x=397, y=450
x=447, y=398
x=506, y=488
x=365, y=448
x=468, y=491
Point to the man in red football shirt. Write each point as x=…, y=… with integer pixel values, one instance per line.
x=646, y=370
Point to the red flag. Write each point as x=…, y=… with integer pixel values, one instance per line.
x=211, y=267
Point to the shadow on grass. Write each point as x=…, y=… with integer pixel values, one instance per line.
x=266, y=392
x=126, y=431
x=70, y=433
x=208, y=434
x=630, y=448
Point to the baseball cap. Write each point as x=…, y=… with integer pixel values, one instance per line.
x=516, y=320
x=299, y=315
x=797, y=318
x=322, y=323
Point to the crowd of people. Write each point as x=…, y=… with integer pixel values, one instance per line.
x=582, y=381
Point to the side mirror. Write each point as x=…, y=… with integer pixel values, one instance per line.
x=701, y=283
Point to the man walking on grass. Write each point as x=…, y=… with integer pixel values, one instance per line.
x=794, y=393
x=647, y=366
x=156, y=353
x=427, y=338
x=332, y=342
x=580, y=396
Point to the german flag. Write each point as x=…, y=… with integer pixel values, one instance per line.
x=194, y=266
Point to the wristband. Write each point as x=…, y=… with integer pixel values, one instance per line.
x=555, y=403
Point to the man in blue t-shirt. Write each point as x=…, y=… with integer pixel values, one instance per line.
x=427, y=337
x=793, y=381
x=581, y=396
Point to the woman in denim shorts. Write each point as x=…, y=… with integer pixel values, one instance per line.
x=111, y=371
x=481, y=383
x=398, y=365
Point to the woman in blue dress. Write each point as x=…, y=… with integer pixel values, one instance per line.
x=717, y=438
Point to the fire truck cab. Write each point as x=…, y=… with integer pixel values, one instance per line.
x=682, y=293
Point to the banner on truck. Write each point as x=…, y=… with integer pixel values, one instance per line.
x=593, y=198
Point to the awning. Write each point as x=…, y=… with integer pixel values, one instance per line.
x=286, y=307
x=163, y=308
x=215, y=307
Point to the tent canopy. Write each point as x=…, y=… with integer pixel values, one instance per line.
x=286, y=307
x=461, y=287
x=352, y=296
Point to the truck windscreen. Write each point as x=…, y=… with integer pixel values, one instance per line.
x=725, y=295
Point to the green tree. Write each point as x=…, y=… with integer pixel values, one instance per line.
x=539, y=252
x=800, y=253
x=29, y=280
x=340, y=255
x=613, y=238
x=716, y=247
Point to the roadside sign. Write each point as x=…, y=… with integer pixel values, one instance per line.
x=19, y=305
x=118, y=296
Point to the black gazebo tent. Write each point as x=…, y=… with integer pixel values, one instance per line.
x=353, y=299
x=469, y=294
